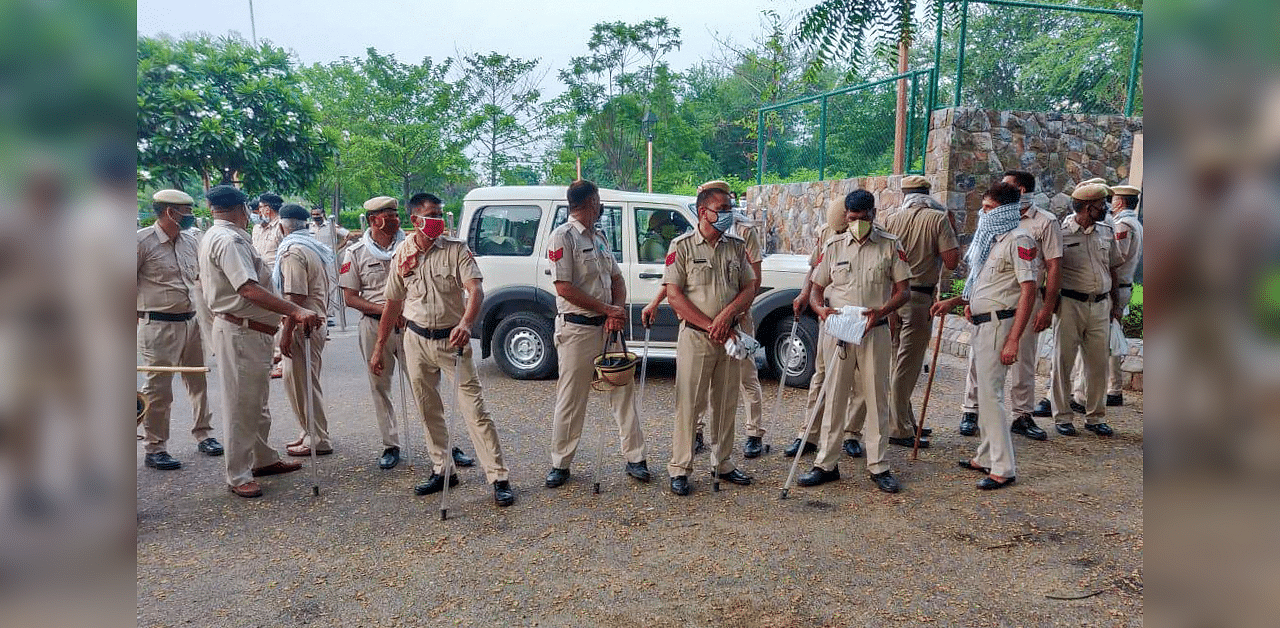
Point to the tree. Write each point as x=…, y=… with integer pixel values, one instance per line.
x=221, y=110
x=510, y=118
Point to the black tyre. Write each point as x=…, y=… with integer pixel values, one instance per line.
x=802, y=353
x=524, y=347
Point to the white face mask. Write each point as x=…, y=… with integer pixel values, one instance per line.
x=860, y=228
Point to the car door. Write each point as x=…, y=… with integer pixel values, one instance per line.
x=610, y=224
x=652, y=226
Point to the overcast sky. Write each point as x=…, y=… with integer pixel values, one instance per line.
x=325, y=30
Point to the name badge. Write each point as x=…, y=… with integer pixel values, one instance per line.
x=844, y=263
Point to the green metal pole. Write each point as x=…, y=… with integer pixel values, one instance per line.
x=1133, y=70
x=760, y=147
x=937, y=58
x=822, y=141
x=909, y=142
x=964, y=27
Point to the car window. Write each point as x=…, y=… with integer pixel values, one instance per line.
x=508, y=230
x=655, y=229
x=610, y=224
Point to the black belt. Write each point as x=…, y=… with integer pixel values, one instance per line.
x=692, y=326
x=883, y=321
x=925, y=289
x=167, y=317
x=1081, y=296
x=1000, y=315
x=430, y=334
x=578, y=319
x=1124, y=285
x=376, y=317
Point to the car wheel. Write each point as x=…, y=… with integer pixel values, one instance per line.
x=793, y=355
x=524, y=348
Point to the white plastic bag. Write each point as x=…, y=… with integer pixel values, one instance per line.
x=740, y=346
x=1119, y=344
x=849, y=325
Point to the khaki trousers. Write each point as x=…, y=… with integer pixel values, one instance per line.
x=1080, y=327
x=913, y=343
x=296, y=381
x=996, y=449
x=172, y=343
x=425, y=361
x=857, y=373
x=703, y=370
x=1114, y=382
x=578, y=346
x=380, y=385
x=244, y=369
x=751, y=391
x=815, y=403
x=1022, y=391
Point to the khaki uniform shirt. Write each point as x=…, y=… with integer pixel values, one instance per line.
x=1044, y=227
x=303, y=272
x=824, y=234
x=266, y=239
x=711, y=275
x=1088, y=257
x=582, y=258
x=861, y=274
x=227, y=262
x=168, y=271
x=924, y=234
x=321, y=233
x=1013, y=260
x=1129, y=244
x=364, y=273
x=751, y=236
x=432, y=290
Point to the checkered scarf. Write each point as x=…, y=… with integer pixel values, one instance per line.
x=991, y=225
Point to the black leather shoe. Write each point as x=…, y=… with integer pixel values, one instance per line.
x=790, y=452
x=886, y=482
x=1101, y=429
x=1027, y=427
x=503, y=496
x=161, y=460
x=736, y=477
x=1077, y=408
x=210, y=447
x=853, y=448
x=969, y=424
x=926, y=432
x=557, y=477
x=1043, y=409
x=435, y=484
x=390, y=458
x=908, y=442
x=753, y=448
x=817, y=476
x=698, y=445
x=461, y=459
x=988, y=484
x=968, y=464
x=1115, y=400
x=638, y=470
x=1066, y=429
x=680, y=485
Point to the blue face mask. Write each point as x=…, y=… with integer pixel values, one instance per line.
x=724, y=220
x=186, y=221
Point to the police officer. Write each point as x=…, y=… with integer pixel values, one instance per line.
x=1090, y=299
x=429, y=275
x=709, y=284
x=237, y=287
x=267, y=233
x=1124, y=215
x=303, y=274
x=168, y=332
x=591, y=301
x=998, y=297
x=924, y=232
x=336, y=237
x=866, y=267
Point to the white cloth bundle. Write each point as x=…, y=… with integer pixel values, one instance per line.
x=849, y=325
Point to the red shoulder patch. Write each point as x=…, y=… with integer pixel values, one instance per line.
x=555, y=254
x=671, y=258
x=346, y=266
x=1120, y=235
x=902, y=255
x=1027, y=253
x=820, y=255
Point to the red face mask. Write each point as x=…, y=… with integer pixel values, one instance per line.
x=430, y=227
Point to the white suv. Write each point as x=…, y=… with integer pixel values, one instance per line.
x=508, y=229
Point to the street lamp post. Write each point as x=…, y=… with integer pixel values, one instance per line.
x=333, y=222
x=577, y=152
x=648, y=124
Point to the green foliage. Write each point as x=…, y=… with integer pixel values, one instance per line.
x=509, y=117
x=1132, y=322
x=212, y=110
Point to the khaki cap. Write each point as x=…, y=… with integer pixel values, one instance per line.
x=915, y=181
x=381, y=202
x=715, y=185
x=1090, y=192
x=1125, y=190
x=1098, y=180
x=177, y=197
x=836, y=221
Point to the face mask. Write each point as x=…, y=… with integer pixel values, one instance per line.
x=724, y=220
x=256, y=219
x=317, y=219
x=430, y=227
x=185, y=221
x=860, y=228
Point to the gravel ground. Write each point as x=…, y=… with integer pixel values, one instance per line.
x=367, y=552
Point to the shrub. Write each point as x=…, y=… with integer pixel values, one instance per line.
x=1132, y=322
